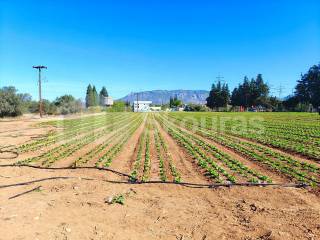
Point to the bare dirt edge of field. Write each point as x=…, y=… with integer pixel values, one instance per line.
x=76, y=209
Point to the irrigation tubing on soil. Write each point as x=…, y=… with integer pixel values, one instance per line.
x=185, y=184
x=11, y=149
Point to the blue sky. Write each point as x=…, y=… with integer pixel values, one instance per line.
x=145, y=45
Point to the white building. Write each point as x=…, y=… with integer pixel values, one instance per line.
x=107, y=101
x=141, y=106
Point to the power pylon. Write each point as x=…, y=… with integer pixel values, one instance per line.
x=40, y=90
x=220, y=79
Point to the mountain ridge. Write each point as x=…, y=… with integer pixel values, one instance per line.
x=163, y=96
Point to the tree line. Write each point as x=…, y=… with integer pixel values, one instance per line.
x=250, y=93
x=256, y=93
x=14, y=104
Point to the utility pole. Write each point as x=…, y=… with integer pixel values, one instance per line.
x=137, y=101
x=40, y=93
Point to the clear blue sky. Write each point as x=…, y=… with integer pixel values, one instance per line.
x=145, y=45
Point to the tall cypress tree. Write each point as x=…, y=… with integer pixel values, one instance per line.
x=103, y=93
x=219, y=96
x=95, y=101
x=89, y=96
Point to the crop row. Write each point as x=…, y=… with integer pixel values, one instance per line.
x=286, y=165
x=147, y=159
x=212, y=169
x=107, y=158
x=137, y=163
x=304, y=140
x=162, y=145
x=237, y=167
x=101, y=148
x=67, y=149
x=162, y=167
x=70, y=132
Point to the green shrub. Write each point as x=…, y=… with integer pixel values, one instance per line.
x=10, y=102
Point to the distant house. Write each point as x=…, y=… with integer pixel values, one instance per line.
x=155, y=109
x=107, y=101
x=177, y=109
x=141, y=106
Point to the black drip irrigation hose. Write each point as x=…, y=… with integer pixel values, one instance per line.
x=66, y=168
x=11, y=149
x=185, y=184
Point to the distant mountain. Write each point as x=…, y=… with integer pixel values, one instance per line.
x=163, y=96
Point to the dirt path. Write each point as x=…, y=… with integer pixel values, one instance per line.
x=123, y=162
x=155, y=169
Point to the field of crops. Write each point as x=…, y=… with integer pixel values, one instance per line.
x=178, y=147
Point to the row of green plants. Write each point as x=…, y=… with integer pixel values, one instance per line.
x=300, y=136
x=72, y=131
x=277, y=162
x=137, y=163
x=302, y=145
x=162, y=171
x=237, y=167
x=147, y=159
x=212, y=169
x=162, y=145
x=101, y=148
x=67, y=149
x=108, y=157
x=234, y=165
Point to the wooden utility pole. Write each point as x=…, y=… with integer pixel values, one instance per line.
x=40, y=93
x=137, y=101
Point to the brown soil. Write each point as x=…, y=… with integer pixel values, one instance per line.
x=184, y=163
x=155, y=169
x=76, y=208
x=123, y=162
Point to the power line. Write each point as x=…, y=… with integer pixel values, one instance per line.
x=220, y=79
x=40, y=90
x=280, y=90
